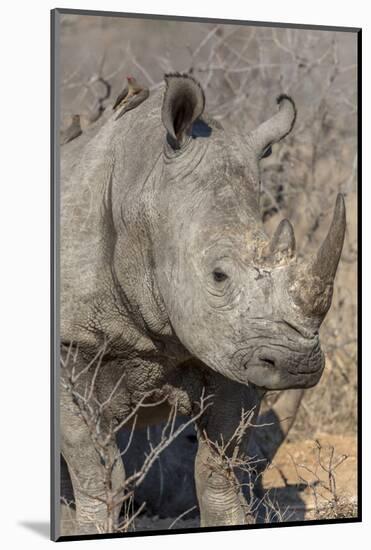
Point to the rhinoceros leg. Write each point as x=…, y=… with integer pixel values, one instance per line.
x=218, y=497
x=218, y=491
x=86, y=471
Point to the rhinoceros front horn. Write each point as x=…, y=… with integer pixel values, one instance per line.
x=325, y=263
x=275, y=128
x=312, y=283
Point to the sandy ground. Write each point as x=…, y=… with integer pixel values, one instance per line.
x=296, y=482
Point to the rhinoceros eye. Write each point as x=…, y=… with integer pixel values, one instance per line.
x=219, y=275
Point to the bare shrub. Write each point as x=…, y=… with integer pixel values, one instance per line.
x=243, y=473
x=328, y=503
x=103, y=436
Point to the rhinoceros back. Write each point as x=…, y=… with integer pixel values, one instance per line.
x=110, y=154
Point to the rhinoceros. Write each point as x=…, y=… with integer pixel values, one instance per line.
x=166, y=265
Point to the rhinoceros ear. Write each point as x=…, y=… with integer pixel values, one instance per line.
x=275, y=128
x=184, y=102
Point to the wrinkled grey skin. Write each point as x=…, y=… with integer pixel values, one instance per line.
x=164, y=259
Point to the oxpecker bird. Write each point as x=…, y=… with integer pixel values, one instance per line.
x=131, y=96
x=73, y=130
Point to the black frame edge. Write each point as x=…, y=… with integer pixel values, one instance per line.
x=52, y=270
x=54, y=279
x=195, y=19
x=359, y=273
x=288, y=524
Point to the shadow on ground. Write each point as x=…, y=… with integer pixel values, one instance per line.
x=41, y=528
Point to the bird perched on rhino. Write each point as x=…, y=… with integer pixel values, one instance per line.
x=131, y=96
x=73, y=131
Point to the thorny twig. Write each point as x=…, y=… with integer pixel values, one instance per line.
x=103, y=436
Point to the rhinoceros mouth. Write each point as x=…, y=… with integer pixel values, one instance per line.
x=275, y=371
x=269, y=377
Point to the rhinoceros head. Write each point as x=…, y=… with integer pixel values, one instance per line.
x=236, y=299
